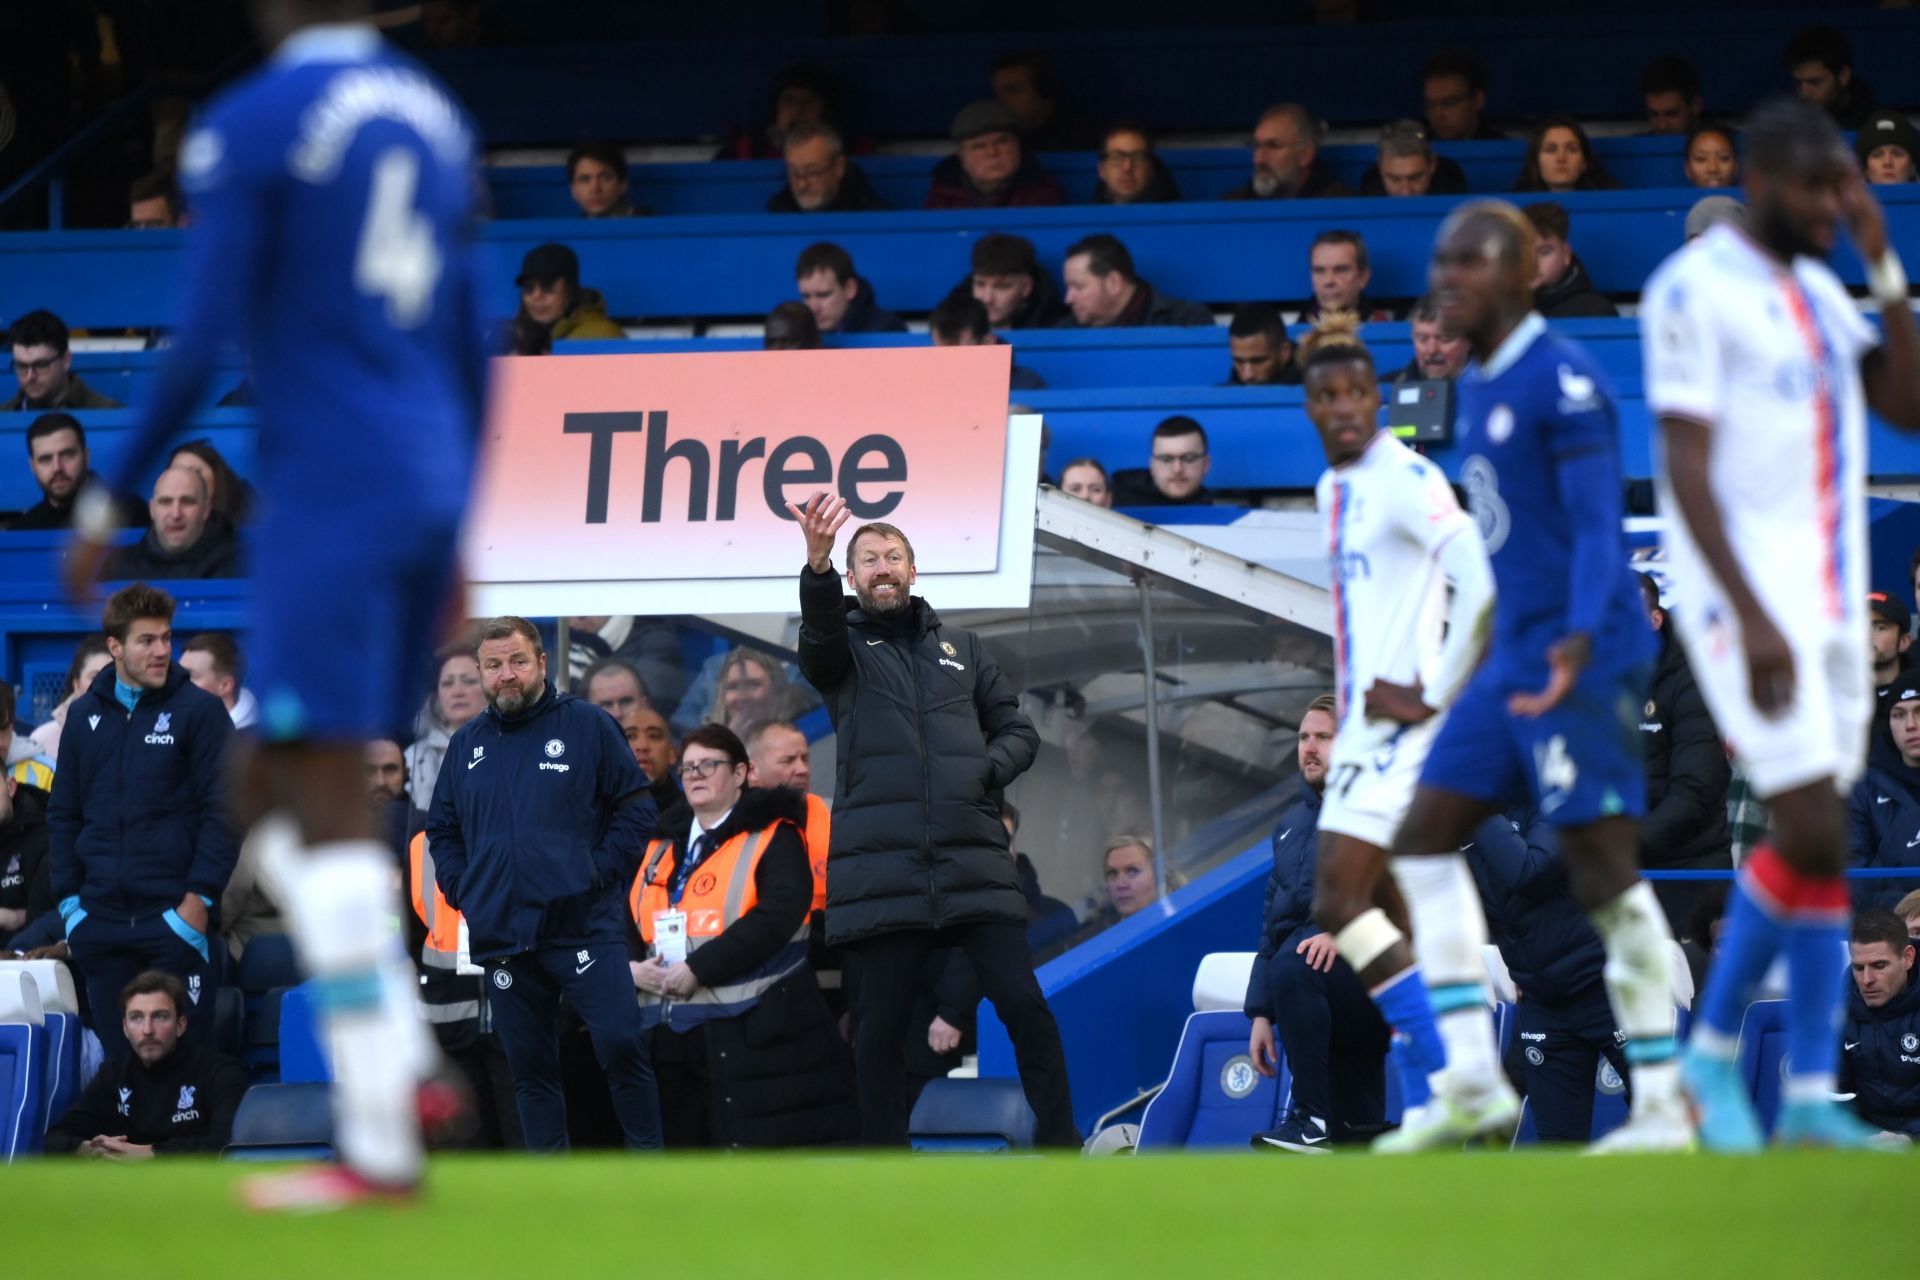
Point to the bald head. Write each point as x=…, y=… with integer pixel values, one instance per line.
x=1482, y=273
x=178, y=508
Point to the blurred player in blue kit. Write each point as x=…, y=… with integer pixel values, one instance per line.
x=333, y=191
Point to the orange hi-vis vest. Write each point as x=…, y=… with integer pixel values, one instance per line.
x=441, y=951
x=819, y=826
x=720, y=891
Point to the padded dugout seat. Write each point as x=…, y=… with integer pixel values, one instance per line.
x=23, y=1065
x=60, y=1009
x=283, y=1122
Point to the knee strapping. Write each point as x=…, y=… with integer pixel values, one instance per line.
x=1366, y=938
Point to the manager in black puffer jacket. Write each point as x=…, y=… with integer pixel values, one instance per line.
x=929, y=733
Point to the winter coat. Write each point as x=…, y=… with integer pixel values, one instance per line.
x=1320, y=185
x=1151, y=309
x=78, y=395
x=1572, y=296
x=183, y=1104
x=1883, y=829
x=865, y=314
x=1287, y=912
x=929, y=732
x=1552, y=953
x=1030, y=185
x=588, y=319
x=25, y=878
x=1687, y=771
x=1042, y=309
x=1880, y=1058
x=128, y=513
x=856, y=195
x=215, y=554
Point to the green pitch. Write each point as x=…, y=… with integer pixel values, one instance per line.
x=1542, y=1216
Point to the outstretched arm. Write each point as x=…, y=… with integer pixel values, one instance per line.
x=824, y=659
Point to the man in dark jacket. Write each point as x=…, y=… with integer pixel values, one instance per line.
x=840, y=298
x=1880, y=1036
x=138, y=834
x=165, y=1098
x=536, y=828
x=62, y=467
x=1562, y=289
x=26, y=885
x=188, y=538
x=929, y=732
x=990, y=167
x=1883, y=813
x=1687, y=776
x=43, y=363
x=1105, y=292
x=820, y=178
x=1007, y=279
x=1286, y=159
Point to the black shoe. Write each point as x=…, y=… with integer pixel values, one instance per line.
x=1297, y=1134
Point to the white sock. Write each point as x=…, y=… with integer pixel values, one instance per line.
x=1449, y=932
x=343, y=912
x=1640, y=984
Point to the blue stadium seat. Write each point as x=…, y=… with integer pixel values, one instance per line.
x=1213, y=1097
x=230, y=1021
x=23, y=1067
x=971, y=1116
x=269, y=962
x=1763, y=1057
x=283, y=1122
x=302, y=1056
x=60, y=1008
x=260, y=1054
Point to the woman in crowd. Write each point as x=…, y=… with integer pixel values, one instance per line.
x=754, y=687
x=1561, y=159
x=1711, y=160
x=1888, y=147
x=1087, y=479
x=88, y=657
x=227, y=494
x=457, y=698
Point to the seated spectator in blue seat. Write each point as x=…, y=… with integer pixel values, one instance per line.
x=168, y=1097
x=1888, y=148
x=553, y=303
x=1105, y=292
x=231, y=496
x=1453, y=90
x=597, y=180
x=1007, y=278
x=1890, y=642
x=840, y=298
x=1338, y=268
x=219, y=668
x=1176, y=474
x=26, y=885
x=820, y=178
x=962, y=322
x=62, y=466
x=1262, y=354
x=1301, y=993
x=799, y=95
x=1131, y=171
x=1880, y=1033
x=1024, y=82
x=1286, y=158
x=43, y=363
x=1087, y=480
x=1438, y=356
x=990, y=167
x=1560, y=159
x=154, y=202
x=1883, y=814
x=790, y=327
x=1407, y=166
x=1819, y=60
x=651, y=646
x=186, y=541
x=1670, y=87
x=88, y=657
x=1712, y=159
x=1562, y=289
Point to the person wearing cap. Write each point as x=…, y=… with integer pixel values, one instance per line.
x=553, y=303
x=1407, y=166
x=1888, y=148
x=1711, y=209
x=1883, y=813
x=989, y=168
x=1890, y=638
x=1687, y=774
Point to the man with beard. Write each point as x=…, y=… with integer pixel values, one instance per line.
x=918, y=857
x=57, y=452
x=1438, y=356
x=1286, y=163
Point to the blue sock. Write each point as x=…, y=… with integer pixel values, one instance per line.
x=1752, y=938
x=1816, y=974
x=1402, y=1001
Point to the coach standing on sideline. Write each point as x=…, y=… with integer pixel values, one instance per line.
x=537, y=824
x=928, y=732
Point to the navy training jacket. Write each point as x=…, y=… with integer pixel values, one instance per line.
x=1880, y=1058
x=537, y=825
x=1552, y=953
x=1287, y=914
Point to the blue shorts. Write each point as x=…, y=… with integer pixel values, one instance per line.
x=342, y=638
x=1578, y=763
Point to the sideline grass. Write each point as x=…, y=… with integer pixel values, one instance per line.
x=1536, y=1215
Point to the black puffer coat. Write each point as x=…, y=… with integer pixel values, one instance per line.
x=929, y=731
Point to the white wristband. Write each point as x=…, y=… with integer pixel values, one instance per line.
x=1888, y=279
x=93, y=514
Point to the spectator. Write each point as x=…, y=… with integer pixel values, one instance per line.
x=138, y=834
x=26, y=880
x=553, y=306
x=395, y=820
x=1007, y=279
x=231, y=497
x=899, y=683
x=1338, y=267
x=612, y=685
x=1712, y=160
x=651, y=739
x=1709, y=210
x=1883, y=814
x=1888, y=147
x=800, y=95
x=168, y=1097
x=43, y=363
x=990, y=168
x=1685, y=828
x=1286, y=159
x=1261, y=352
x=186, y=541
x=1561, y=287
x=1105, y=292
x=1453, y=87
x=533, y=841
x=1890, y=638
x=1908, y=909
x=791, y=327
x=753, y=687
x=1559, y=158
x=1126, y=869
x=89, y=656
x=1407, y=166
x=457, y=698
x=1131, y=171
x=217, y=667
x=1086, y=479
x=820, y=178
x=1049, y=920
x=62, y=466
x=1879, y=1064
x=1437, y=355
x=729, y=944
x=650, y=646
x=841, y=300
x=1820, y=62
x=1177, y=473
x=597, y=179
x=1024, y=83
x=154, y=204
x=961, y=321
x=1671, y=90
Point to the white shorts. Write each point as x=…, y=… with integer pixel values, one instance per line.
x=1821, y=734
x=1370, y=784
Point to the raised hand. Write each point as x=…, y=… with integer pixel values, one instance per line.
x=820, y=521
x=1866, y=222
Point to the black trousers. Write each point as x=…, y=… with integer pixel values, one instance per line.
x=524, y=993
x=1559, y=1047
x=111, y=953
x=885, y=974
x=1336, y=1044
